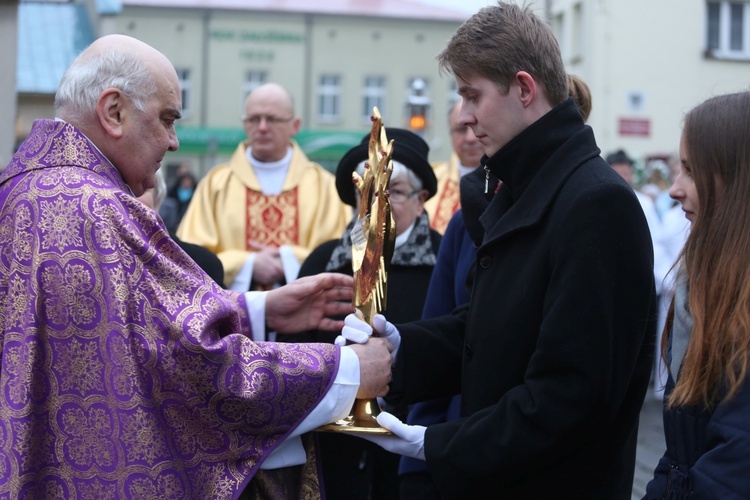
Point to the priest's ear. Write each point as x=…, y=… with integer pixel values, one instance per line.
x=109, y=111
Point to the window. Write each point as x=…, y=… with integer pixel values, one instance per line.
x=728, y=30
x=253, y=80
x=373, y=95
x=329, y=99
x=186, y=90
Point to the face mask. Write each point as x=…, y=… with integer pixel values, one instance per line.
x=184, y=194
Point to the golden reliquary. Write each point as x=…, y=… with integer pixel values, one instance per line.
x=373, y=238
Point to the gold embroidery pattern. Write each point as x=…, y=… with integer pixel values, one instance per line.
x=23, y=366
x=165, y=486
x=68, y=294
x=450, y=201
x=193, y=430
x=70, y=149
x=272, y=220
x=49, y=488
x=79, y=362
x=89, y=434
x=127, y=376
x=60, y=224
x=209, y=482
x=118, y=376
x=190, y=375
x=140, y=434
x=38, y=443
x=18, y=301
x=98, y=490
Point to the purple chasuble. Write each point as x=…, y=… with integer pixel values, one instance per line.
x=126, y=371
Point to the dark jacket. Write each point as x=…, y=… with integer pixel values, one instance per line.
x=552, y=356
x=707, y=452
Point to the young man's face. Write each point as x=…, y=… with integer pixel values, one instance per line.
x=494, y=116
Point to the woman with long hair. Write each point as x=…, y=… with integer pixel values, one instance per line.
x=706, y=342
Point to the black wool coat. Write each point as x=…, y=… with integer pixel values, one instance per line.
x=552, y=356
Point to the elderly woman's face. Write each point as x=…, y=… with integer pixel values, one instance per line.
x=406, y=203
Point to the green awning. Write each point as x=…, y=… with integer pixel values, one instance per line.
x=315, y=143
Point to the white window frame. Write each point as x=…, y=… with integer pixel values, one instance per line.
x=254, y=78
x=185, y=78
x=329, y=98
x=724, y=49
x=374, y=91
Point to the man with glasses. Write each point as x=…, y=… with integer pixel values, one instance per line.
x=264, y=210
x=467, y=151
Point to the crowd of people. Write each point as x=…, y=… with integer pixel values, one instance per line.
x=185, y=341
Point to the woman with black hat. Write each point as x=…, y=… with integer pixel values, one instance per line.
x=354, y=468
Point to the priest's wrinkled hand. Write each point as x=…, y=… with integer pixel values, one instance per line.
x=267, y=268
x=374, y=368
x=308, y=303
x=407, y=440
x=358, y=332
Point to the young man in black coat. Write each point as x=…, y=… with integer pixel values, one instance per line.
x=552, y=355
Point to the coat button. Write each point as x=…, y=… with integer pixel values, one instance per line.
x=468, y=351
x=485, y=261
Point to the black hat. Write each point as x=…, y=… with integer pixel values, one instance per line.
x=619, y=156
x=408, y=148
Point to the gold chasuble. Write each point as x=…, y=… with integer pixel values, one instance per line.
x=229, y=210
x=444, y=204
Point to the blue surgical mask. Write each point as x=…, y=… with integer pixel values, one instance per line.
x=184, y=194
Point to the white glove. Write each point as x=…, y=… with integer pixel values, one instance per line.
x=408, y=440
x=358, y=332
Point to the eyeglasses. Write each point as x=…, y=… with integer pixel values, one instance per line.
x=254, y=120
x=400, y=196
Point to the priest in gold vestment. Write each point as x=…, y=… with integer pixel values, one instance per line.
x=467, y=151
x=269, y=206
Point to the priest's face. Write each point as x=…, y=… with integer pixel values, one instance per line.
x=269, y=122
x=148, y=134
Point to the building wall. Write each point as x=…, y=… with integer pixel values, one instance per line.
x=9, y=42
x=643, y=60
x=295, y=50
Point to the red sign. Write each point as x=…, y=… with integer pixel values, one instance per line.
x=634, y=127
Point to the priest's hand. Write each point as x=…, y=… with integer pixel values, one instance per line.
x=407, y=440
x=267, y=268
x=307, y=303
x=374, y=368
x=357, y=331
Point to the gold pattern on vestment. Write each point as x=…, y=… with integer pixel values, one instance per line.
x=272, y=219
x=118, y=367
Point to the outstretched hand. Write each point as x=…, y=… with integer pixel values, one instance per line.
x=308, y=303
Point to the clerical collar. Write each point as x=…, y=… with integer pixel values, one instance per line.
x=269, y=165
x=463, y=170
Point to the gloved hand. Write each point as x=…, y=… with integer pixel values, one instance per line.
x=407, y=440
x=357, y=331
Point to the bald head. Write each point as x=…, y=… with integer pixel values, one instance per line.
x=124, y=95
x=112, y=61
x=270, y=122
